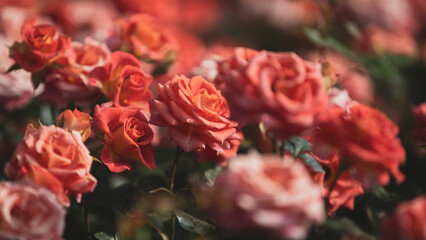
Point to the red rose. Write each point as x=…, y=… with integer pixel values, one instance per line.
x=366, y=138
x=41, y=44
x=281, y=90
x=53, y=158
x=127, y=137
x=346, y=187
x=196, y=114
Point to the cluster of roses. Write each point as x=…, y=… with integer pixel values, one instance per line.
x=284, y=94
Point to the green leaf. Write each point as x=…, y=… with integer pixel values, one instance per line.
x=421, y=146
x=103, y=236
x=346, y=225
x=37, y=78
x=328, y=42
x=212, y=174
x=311, y=162
x=297, y=145
x=193, y=224
x=13, y=68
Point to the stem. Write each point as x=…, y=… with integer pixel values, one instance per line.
x=86, y=217
x=173, y=227
x=172, y=177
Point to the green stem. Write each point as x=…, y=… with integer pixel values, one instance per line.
x=171, y=184
x=175, y=161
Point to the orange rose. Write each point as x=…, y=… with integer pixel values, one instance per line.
x=196, y=114
x=144, y=37
x=122, y=80
x=281, y=90
x=77, y=121
x=53, y=158
x=127, y=137
x=40, y=45
x=366, y=138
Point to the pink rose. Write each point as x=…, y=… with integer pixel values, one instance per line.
x=53, y=158
x=27, y=212
x=267, y=192
x=408, y=222
x=281, y=90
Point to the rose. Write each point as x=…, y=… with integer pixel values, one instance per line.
x=344, y=189
x=266, y=192
x=27, y=212
x=196, y=114
x=122, y=80
x=40, y=45
x=69, y=83
x=144, y=37
x=408, y=222
x=53, y=158
x=127, y=137
x=281, y=90
x=133, y=90
x=77, y=121
x=366, y=138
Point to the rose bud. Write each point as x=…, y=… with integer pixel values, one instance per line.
x=196, y=114
x=77, y=121
x=41, y=44
x=28, y=212
x=53, y=158
x=127, y=137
